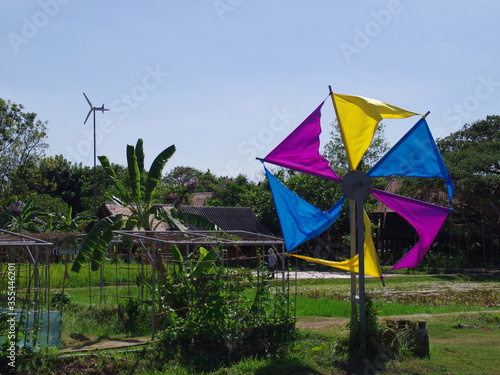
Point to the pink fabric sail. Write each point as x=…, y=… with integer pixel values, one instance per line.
x=300, y=150
x=426, y=218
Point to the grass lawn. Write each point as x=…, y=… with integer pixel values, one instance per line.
x=467, y=343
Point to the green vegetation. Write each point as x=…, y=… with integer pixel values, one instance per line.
x=461, y=344
x=462, y=340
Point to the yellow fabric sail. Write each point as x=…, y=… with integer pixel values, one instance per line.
x=358, y=118
x=372, y=266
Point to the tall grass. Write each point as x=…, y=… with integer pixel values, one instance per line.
x=402, y=295
x=324, y=307
x=59, y=275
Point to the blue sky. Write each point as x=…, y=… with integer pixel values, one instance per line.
x=227, y=80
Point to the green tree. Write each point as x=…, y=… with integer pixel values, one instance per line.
x=231, y=192
x=181, y=182
x=73, y=183
x=260, y=200
x=22, y=145
x=182, y=175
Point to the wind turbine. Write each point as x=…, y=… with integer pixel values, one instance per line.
x=92, y=110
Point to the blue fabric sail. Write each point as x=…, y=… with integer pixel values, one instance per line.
x=415, y=155
x=299, y=220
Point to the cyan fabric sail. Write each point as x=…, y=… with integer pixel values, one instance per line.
x=426, y=218
x=300, y=150
x=415, y=155
x=299, y=219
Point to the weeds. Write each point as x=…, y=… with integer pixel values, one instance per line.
x=209, y=323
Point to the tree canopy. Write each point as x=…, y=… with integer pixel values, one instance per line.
x=22, y=145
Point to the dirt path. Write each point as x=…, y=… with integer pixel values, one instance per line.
x=81, y=343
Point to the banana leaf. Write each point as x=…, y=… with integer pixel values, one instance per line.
x=96, y=242
x=111, y=174
x=139, y=152
x=198, y=221
x=155, y=172
x=171, y=217
x=205, y=261
x=134, y=174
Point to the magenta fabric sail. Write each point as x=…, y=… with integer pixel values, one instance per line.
x=426, y=218
x=300, y=150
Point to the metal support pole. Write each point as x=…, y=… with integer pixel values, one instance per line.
x=354, y=292
x=36, y=313
x=356, y=186
x=360, y=244
x=153, y=291
x=95, y=171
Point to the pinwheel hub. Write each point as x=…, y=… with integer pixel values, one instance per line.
x=356, y=185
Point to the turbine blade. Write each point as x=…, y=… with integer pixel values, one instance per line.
x=88, y=116
x=90, y=104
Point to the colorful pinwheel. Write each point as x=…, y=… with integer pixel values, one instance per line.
x=414, y=155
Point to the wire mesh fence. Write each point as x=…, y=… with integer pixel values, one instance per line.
x=169, y=285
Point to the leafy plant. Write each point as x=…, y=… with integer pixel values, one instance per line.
x=371, y=332
x=65, y=222
x=135, y=316
x=28, y=220
x=96, y=243
x=212, y=322
x=60, y=299
x=137, y=194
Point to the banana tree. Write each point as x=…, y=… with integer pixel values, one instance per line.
x=137, y=194
x=27, y=220
x=65, y=222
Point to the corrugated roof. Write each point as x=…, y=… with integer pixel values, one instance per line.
x=229, y=218
x=107, y=209
x=235, y=237
x=226, y=218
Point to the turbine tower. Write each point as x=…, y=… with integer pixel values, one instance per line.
x=92, y=110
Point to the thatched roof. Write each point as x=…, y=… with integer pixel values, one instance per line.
x=16, y=208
